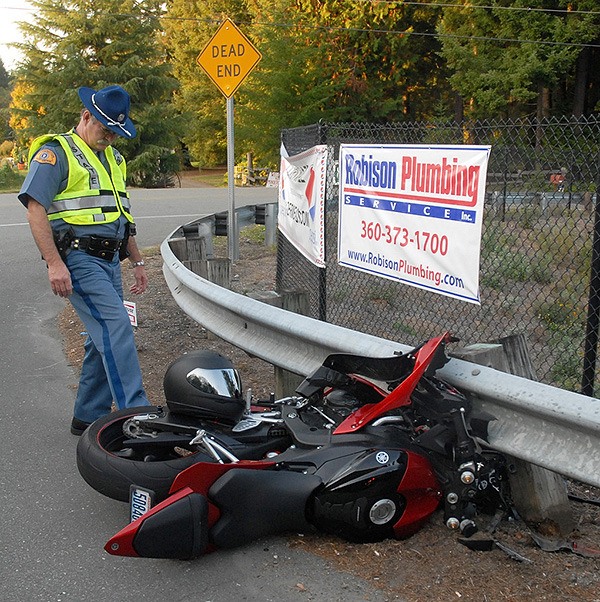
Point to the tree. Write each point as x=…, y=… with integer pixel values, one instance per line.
x=342, y=60
x=189, y=26
x=97, y=43
x=517, y=57
x=333, y=60
x=5, y=87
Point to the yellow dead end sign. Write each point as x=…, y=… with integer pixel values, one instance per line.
x=228, y=58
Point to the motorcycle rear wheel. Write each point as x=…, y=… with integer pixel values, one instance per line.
x=111, y=468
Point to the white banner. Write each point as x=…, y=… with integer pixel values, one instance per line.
x=414, y=214
x=302, y=200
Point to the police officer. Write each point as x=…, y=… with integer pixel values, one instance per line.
x=79, y=213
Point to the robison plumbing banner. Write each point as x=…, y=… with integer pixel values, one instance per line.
x=301, y=200
x=414, y=214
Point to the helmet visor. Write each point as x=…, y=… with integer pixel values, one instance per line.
x=225, y=382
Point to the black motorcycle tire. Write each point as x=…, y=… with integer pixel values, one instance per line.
x=112, y=474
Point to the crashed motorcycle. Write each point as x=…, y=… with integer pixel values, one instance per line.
x=367, y=449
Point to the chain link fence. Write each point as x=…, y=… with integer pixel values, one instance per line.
x=540, y=249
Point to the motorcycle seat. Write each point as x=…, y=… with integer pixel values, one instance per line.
x=258, y=503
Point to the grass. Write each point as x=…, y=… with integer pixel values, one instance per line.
x=254, y=234
x=211, y=176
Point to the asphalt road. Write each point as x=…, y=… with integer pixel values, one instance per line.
x=53, y=526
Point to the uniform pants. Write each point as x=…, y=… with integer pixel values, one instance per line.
x=111, y=369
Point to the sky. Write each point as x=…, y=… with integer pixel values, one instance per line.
x=11, y=11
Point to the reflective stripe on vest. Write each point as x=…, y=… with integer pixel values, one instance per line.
x=91, y=195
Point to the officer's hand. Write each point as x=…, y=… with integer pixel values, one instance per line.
x=141, y=280
x=60, y=279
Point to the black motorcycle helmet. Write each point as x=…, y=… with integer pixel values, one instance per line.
x=205, y=384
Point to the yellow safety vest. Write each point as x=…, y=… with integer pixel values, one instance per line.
x=92, y=195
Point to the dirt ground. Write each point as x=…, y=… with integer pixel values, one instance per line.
x=431, y=565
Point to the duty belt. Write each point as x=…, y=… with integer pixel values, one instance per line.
x=105, y=248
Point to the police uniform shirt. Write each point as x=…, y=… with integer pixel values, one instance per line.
x=47, y=177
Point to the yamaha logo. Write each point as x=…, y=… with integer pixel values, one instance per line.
x=382, y=457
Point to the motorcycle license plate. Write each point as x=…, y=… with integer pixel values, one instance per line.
x=140, y=501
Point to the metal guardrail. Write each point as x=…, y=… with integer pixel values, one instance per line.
x=556, y=429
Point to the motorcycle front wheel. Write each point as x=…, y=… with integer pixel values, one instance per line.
x=110, y=467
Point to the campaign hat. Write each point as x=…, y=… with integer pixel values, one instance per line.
x=110, y=106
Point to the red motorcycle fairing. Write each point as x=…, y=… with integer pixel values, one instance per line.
x=422, y=492
x=400, y=396
x=178, y=526
x=357, y=493
x=169, y=524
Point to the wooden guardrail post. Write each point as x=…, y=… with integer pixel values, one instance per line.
x=539, y=495
x=179, y=248
x=195, y=250
x=218, y=270
x=286, y=382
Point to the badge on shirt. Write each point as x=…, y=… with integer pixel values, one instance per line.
x=46, y=156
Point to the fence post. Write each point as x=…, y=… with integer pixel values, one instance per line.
x=540, y=496
x=590, y=354
x=196, y=248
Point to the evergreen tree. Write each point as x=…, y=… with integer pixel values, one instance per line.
x=97, y=43
x=5, y=86
x=4, y=77
x=509, y=62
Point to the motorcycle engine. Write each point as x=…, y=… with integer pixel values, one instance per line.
x=341, y=403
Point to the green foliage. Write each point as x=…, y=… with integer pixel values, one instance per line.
x=4, y=77
x=330, y=60
x=5, y=89
x=322, y=60
x=154, y=167
x=560, y=315
x=497, y=62
x=339, y=61
x=254, y=234
x=403, y=329
x=565, y=323
x=6, y=148
x=96, y=43
x=9, y=178
x=520, y=268
x=566, y=371
x=198, y=99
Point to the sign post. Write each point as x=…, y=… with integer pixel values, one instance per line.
x=228, y=59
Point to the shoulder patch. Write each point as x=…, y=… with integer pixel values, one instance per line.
x=46, y=156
